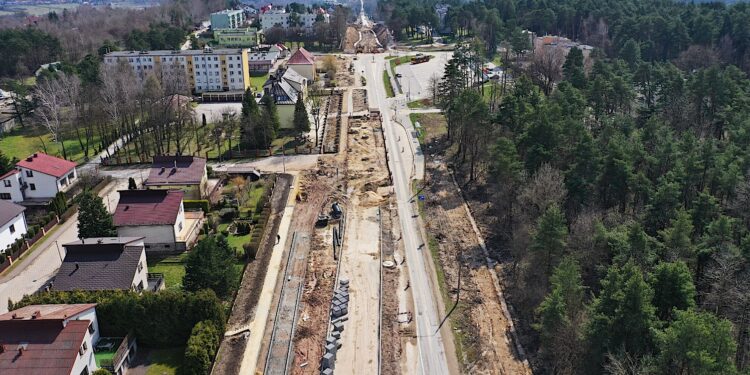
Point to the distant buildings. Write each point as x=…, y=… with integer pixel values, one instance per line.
x=37, y=179
x=111, y=263
x=12, y=224
x=238, y=38
x=273, y=17
x=553, y=41
x=227, y=19
x=207, y=71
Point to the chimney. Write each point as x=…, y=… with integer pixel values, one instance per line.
x=2, y=348
x=77, y=266
x=20, y=350
x=37, y=314
x=35, y=154
x=99, y=241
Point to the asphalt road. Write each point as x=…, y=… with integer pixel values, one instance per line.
x=431, y=350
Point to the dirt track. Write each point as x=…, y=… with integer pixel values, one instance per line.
x=482, y=326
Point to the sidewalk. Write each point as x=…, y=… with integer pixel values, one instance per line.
x=258, y=325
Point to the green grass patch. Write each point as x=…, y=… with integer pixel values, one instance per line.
x=431, y=126
x=172, y=267
x=238, y=241
x=387, y=82
x=398, y=60
x=419, y=104
x=25, y=141
x=104, y=357
x=256, y=82
x=165, y=361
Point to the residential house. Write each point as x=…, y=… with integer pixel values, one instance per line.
x=187, y=173
x=12, y=224
x=49, y=339
x=303, y=62
x=107, y=263
x=156, y=215
x=284, y=87
x=59, y=340
x=227, y=19
x=37, y=179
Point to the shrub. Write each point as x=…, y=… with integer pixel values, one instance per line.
x=2, y=258
x=196, y=204
x=251, y=250
x=101, y=371
x=243, y=228
x=201, y=348
x=227, y=214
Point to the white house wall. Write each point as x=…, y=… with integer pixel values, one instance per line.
x=6, y=238
x=14, y=189
x=46, y=186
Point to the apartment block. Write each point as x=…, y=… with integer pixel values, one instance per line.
x=208, y=70
x=227, y=19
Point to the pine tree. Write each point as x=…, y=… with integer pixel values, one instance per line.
x=673, y=289
x=93, y=218
x=561, y=316
x=210, y=265
x=249, y=105
x=549, y=238
x=697, y=343
x=5, y=163
x=301, y=120
x=622, y=317
x=272, y=112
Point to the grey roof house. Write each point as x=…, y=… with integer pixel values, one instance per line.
x=107, y=263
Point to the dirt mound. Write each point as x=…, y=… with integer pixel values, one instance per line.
x=371, y=198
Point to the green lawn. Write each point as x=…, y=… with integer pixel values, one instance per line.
x=165, y=361
x=417, y=104
x=256, y=82
x=398, y=60
x=102, y=357
x=23, y=142
x=388, y=88
x=432, y=125
x=172, y=267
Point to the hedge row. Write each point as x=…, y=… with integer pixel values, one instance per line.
x=196, y=204
x=161, y=319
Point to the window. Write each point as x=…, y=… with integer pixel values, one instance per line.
x=32, y=186
x=91, y=328
x=12, y=228
x=140, y=266
x=179, y=227
x=5, y=196
x=29, y=173
x=83, y=349
x=6, y=183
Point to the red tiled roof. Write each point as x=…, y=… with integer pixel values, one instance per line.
x=51, y=349
x=46, y=164
x=301, y=57
x=47, y=312
x=176, y=170
x=10, y=173
x=148, y=207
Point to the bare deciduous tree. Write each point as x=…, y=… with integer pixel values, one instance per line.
x=546, y=67
x=55, y=104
